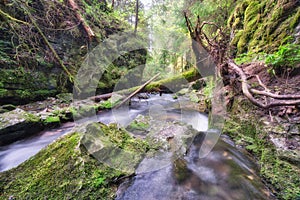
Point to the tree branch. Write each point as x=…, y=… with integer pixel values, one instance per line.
x=275, y=96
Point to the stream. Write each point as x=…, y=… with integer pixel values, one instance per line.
x=225, y=173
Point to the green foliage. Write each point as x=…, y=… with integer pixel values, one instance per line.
x=249, y=57
x=208, y=90
x=52, y=119
x=216, y=11
x=288, y=56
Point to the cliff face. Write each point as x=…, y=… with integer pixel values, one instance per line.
x=262, y=26
x=43, y=44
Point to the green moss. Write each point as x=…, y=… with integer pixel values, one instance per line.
x=262, y=25
x=111, y=102
x=138, y=125
x=65, y=171
x=52, y=119
x=124, y=140
x=248, y=132
x=175, y=81
x=31, y=117
x=296, y=19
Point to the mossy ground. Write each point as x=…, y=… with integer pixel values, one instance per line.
x=245, y=130
x=65, y=170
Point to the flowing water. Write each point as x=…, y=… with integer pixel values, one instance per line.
x=14, y=154
x=224, y=174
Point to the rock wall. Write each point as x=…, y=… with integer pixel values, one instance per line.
x=262, y=26
x=31, y=30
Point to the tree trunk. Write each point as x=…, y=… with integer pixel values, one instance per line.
x=137, y=91
x=136, y=16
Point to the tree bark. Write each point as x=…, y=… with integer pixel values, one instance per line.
x=136, y=16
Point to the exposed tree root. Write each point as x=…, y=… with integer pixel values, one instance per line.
x=278, y=100
x=216, y=47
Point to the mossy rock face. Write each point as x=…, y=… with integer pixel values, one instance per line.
x=16, y=125
x=114, y=147
x=23, y=49
x=279, y=168
x=70, y=168
x=22, y=86
x=263, y=25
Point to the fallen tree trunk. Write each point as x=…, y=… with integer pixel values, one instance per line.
x=85, y=26
x=101, y=97
x=137, y=91
x=155, y=86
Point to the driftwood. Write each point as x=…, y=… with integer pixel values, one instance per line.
x=101, y=97
x=137, y=91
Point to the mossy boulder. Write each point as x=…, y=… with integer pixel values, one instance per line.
x=75, y=166
x=114, y=147
x=18, y=124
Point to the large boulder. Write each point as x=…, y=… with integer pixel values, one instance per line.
x=17, y=124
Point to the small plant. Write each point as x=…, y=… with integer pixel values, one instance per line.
x=52, y=119
x=249, y=57
x=287, y=56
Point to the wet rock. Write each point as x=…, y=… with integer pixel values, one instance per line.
x=65, y=97
x=16, y=125
x=7, y=108
x=290, y=156
x=139, y=126
x=171, y=136
x=113, y=146
x=285, y=137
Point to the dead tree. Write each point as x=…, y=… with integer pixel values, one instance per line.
x=217, y=48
